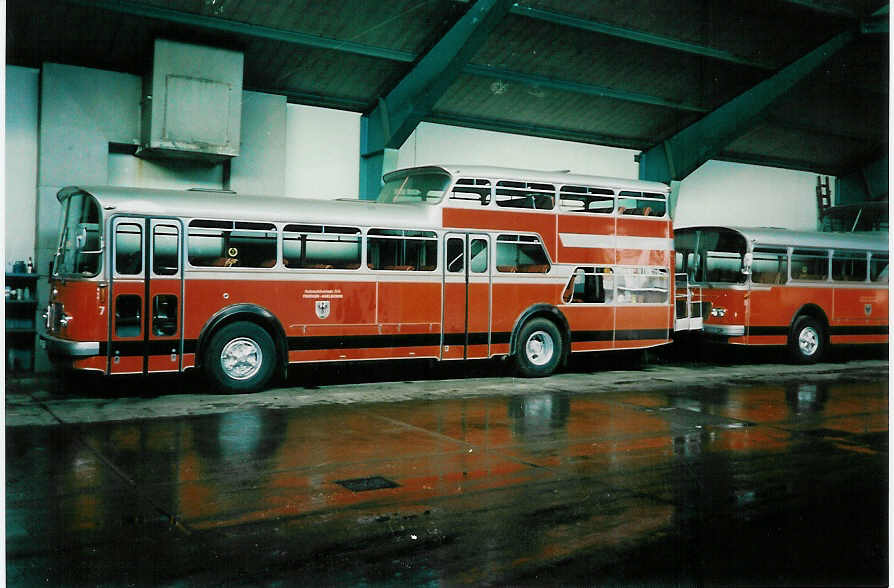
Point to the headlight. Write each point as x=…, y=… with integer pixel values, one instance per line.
x=718, y=312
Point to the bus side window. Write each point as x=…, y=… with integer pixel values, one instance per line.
x=478, y=256
x=165, y=243
x=810, y=264
x=642, y=204
x=129, y=249
x=769, y=266
x=401, y=250
x=849, y=266
x=216, y=244
x=530, y=195
x=587, y=285
x=319, y=247
x=471, y=190
x=521, y=254
x=585, y=199
x=878, y=267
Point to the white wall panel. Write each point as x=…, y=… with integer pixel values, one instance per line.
x=322, y=153
x=20, y=171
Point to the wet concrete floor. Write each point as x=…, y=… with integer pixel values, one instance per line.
x=683, y=474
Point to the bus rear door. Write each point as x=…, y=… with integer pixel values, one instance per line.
x=145, y=329
x=467, y=296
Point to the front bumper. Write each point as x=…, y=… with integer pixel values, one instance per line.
x=725, y=330
x=57, y=347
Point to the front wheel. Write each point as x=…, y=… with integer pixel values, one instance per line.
x=538, y=348
x=808, y=340
x=240, y=358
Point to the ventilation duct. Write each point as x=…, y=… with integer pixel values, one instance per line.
x=192, y=103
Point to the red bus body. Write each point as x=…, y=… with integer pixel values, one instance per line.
x=761, y=282
x=144, y=278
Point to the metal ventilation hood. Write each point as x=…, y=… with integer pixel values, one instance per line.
x=192, y=103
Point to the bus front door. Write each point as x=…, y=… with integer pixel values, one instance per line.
x=146, y=295
x=467, y=296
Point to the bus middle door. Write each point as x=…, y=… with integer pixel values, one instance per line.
x=146, y=296
x=467, y=296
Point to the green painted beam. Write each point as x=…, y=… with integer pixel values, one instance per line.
x=392, y=121
x=577, y=22
x=577, y=87
x=681, y=154
x=241, y=28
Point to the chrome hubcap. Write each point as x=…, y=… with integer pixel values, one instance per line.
x=808, y=340
x=241, y=358
x=539, y=348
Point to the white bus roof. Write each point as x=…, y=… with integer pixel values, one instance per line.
x=226, y=205
x=558, y=177
x=775, y=237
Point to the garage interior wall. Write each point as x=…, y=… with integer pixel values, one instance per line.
x=304, y=152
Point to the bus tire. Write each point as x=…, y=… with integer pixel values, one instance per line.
x=808, y=340
x=538, y=348
x=240, y=358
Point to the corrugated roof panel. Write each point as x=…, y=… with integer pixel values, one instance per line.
x=773, y=145
x=523, y=104
x=280, y=67
x=406, y=25
x=549, y=50
x=742, y=27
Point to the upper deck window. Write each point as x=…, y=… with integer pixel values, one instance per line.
x=471, y=191
x=642, y=203
x=531, y=195
x=213, y=243
x=427, y=188
x=586, y=199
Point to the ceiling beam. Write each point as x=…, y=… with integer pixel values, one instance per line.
x=577, y=22
x=240, y=28
x=569, y=86
x=684, y=152
x=390, y=123
x=319, y=42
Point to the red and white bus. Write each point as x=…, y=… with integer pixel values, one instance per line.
x=449, y=263
x=804, y=290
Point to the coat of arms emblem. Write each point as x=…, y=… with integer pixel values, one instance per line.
x=867, y=308
x=322, y=307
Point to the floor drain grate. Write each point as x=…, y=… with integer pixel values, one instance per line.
x=364, y=484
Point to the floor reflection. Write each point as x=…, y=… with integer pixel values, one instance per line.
x=683, y=487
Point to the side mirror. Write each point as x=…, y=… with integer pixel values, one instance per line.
x=746, y=263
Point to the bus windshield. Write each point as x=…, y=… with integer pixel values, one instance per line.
x=711, y=256
x=426, y=187
x=80, y=249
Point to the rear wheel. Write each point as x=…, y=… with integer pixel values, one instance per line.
x=240, y=358
x=808, y=340
x=538, y=348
